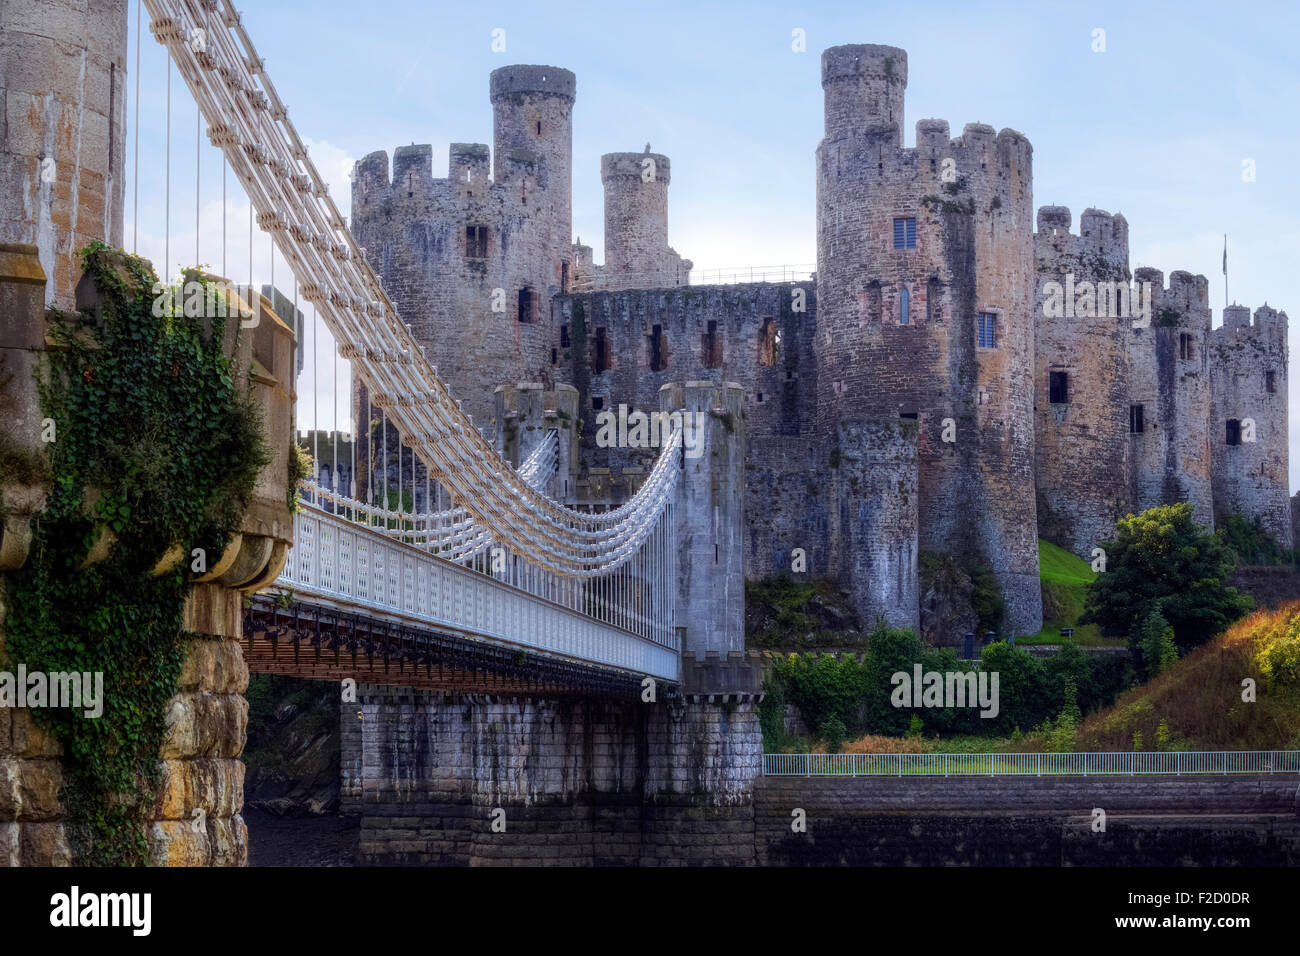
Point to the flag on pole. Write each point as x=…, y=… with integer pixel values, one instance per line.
x=1225, y=253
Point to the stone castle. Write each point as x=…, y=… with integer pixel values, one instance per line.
x=954, y=378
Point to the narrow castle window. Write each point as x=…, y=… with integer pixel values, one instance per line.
x=1270, y=382
x=476, y=242
x=769, y=340
x=1058, y=388
x=711, y=342
x=564, y=336
x=539, y=127
x=597, y=403
x=872, y=303
x=932, y=305
x=1135, y=425
x=903, y=304
x=1233, y=436
x=564, y=278
x=905, y=233
x=988, y=330
x=602, y=350
x=1185, y=347
x=527, y=306
x=655, y=345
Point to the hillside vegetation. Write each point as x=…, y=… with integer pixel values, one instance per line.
x=1199, y=699
x=1065, y=578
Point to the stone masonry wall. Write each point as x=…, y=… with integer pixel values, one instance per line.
x=1169, y=460
x=580, y=782
x=414, y=230
x=785, y=466
x=1248, y=380
x=63, y=88
x=897, y=328
x=1081, y=444
x=1028, y=821
x=197, y=817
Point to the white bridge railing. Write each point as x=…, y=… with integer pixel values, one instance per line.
x=1019, y=765
x=365, y=570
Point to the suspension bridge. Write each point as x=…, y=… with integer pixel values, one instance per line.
x=494, y=583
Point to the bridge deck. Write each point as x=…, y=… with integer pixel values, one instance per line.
x=356, y=571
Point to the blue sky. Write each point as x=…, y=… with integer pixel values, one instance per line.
x=1156, y=127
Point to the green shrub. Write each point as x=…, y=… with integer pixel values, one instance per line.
x=987, y=600
x=833, y=731
x=1154, y=643
x=1163, y=559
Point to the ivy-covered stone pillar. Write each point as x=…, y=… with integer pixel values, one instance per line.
x=197, y=819
x=147, y=482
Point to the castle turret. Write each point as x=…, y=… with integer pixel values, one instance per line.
x=1248, y=428
x=1169, y=395
x=637, y=255
x=532, y=110
x=472, y=260
x=1085, y=308
x=864, y=86
x=925, y=284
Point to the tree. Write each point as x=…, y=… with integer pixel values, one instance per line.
x=1162, y=559
x=1154, y=643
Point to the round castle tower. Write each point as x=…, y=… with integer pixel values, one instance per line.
x=1169, y=457
x=1248, y=428
x=1083, y=315
x=532, y=110
x=636, y=220
x=63, y=67
x=925, y=286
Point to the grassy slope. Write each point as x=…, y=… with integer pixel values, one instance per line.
x=1199, y=698
x=1065, y=576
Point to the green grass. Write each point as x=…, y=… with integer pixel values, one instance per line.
x=1065, y=577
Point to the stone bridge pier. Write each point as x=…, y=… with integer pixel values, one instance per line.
x=196, y=814
x=477, y=780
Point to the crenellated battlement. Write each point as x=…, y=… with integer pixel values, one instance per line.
x=632, y=166
x=1268, y=328
x=469, y=169
x=1185, y=302
x=1100, y=248
x=531, y=80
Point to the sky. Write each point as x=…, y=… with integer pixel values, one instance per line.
x=1166, y=124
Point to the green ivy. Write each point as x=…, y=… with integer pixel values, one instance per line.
x=156, y=442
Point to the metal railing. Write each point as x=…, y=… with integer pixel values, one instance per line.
x=354, y=567
x=725, y=275
x=1020, y=765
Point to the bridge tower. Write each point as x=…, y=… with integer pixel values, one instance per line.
x=63, y=73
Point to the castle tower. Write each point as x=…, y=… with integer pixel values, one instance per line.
x=1169, y=396
x=471, y=261
x=637, y=255
x=63, y=70
x=1084, y=312
x=925, y=291
x=1248, y=427
x=532, y=112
